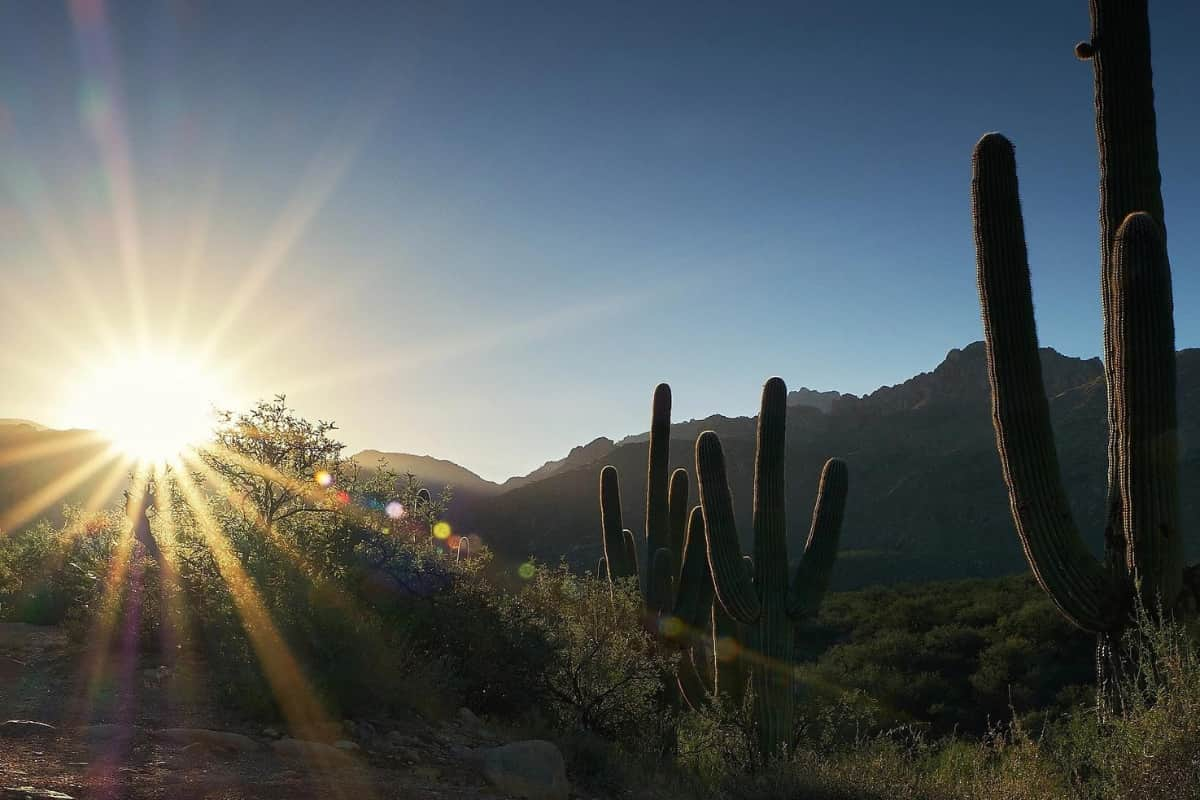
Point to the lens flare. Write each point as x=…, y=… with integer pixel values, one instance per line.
x=323, y=478
x=670, y=627
x=442, y=530
x=526, y=570
x=727, y=648
x=394, y=510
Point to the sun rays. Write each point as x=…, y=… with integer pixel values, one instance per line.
x=144, y=374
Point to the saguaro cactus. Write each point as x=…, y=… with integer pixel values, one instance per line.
x=1143, y=543
x=764, y=603
x=666, y=515
x=673, y=576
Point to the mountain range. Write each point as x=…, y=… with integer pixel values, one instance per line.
x=927, y=499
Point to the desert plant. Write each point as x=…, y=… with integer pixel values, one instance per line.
x=1143, y=542
x=673, y=575
x=604, y=672
x=763, y=602
x=666, y=513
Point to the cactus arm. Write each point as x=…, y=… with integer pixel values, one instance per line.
x=1130, y=181
x=1146, y=421
x=677, y=502
x=820, y=551
x=658, y=532
x=619, y=564
x=694, y=600
x=602, y=570
x=734, y=589
x=631, y=553
x=692, y=686
x=1077, y=583
x=1126, y=135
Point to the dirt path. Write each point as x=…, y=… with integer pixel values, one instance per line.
x=108, y=738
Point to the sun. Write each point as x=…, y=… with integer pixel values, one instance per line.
x=151, y=406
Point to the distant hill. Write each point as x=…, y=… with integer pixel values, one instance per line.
x=580, y=456
x=433, y=472
x=41, y=470
x=25, y=422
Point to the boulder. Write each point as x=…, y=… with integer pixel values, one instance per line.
x=20, y=728
x=216, y=740
x=532, y=769
x=31, y=793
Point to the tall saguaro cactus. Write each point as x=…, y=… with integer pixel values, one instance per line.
x=666, y=516
x=1143, y=542
x=764, y=602
x=673, y=574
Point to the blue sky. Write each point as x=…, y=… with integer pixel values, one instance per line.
x=485, y=230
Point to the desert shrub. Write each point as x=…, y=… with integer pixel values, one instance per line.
x=606, y=673
x=50, y=575
x=1150, y=746
x=958, y=655
x=493, y=650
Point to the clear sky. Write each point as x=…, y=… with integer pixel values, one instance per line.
x=485, y=230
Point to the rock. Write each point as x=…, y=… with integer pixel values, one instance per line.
x=345, y=744
x=217, y=740
x=194, y=754
x=408, y=754
x=155, y=676
x=272, y=733
x=531, y=769
x=29, y=793
x=467, y=718
x=310, y=751
x=20, y=728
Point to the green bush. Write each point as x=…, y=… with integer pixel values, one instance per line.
x=606, y=673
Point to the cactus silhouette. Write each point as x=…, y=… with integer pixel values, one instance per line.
x=760, y=598
x=673, y=575
x=1143, y=543
x=666, y=515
